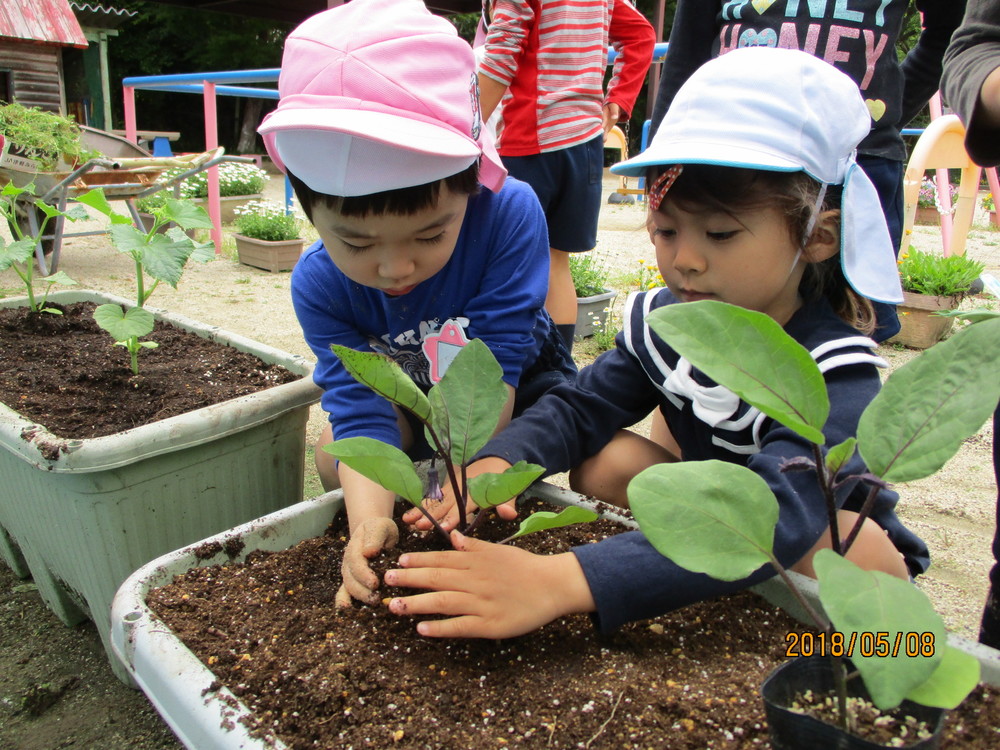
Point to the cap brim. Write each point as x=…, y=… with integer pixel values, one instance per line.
x=403, y=133
x=689, y=151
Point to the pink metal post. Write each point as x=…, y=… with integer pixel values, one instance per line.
x=130, y=126
x=211, y=142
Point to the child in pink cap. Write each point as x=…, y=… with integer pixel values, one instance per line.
x=379, y=130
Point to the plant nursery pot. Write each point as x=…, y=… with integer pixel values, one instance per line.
x=228, y=204
x=791, y=730
x=919, y=326
x=79, y=515
x=273, y=256
x=592, y=312
x=927, y=215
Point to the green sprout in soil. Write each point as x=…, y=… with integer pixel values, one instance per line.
x=19, y=254
x=460, y=414
x=720, y=516
x=159, y=255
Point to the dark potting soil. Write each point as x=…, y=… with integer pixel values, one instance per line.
x=321, y=678
x=64, y=372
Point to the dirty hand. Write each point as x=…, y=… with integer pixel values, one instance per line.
x=370, y=538
x=489, y=590
x=445, y=510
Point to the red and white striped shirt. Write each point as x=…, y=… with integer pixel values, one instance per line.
x=552, y=56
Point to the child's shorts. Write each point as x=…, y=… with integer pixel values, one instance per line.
x=554, y=365
x=568, y=183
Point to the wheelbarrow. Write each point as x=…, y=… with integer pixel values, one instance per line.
x=122, y=177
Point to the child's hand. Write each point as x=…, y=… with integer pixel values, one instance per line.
x=370, y=538
x=445, y=511
x=490, y=590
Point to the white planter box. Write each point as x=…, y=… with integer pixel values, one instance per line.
x=80, y=515
x=172, y=677
x=178, y=684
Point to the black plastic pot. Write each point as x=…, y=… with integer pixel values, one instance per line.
x=791, y=730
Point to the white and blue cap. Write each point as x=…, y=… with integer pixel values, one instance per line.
x=785, y=111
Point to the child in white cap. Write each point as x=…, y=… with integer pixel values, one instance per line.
x=755, y=199
x=422, y=241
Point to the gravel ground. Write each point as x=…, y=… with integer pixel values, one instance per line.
x=953, y=511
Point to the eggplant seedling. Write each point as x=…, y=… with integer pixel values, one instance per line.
x=459, y=414
x=161, y=256
x=718, y=518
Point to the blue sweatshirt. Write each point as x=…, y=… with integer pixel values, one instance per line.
x=628, y=578
x=493, y=286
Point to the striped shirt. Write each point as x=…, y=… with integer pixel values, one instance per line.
x=552, y=56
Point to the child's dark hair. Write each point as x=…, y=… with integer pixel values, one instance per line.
x=403, y=201
x=731, y=190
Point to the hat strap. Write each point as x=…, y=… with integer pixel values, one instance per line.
x=814, y=215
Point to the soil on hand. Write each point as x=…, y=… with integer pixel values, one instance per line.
x=318, y=677
x=64, y=372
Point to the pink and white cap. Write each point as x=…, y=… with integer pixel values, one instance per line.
x=377, y=95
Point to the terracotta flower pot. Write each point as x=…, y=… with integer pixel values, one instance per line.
x=920, y=326
x=927, y=215
x=228, y=204
x=273, y=256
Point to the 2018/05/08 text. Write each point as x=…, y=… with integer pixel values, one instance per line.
x=863, y=643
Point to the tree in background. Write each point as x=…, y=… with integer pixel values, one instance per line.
x=163, y=39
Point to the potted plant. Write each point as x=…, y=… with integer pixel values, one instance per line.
x=929, y=207
x=593, y=296
x=989, y=206
x=79, y=514
x=268, y=236
x=239, y=182
x=38, y=141
x=931, y=283
x=720, y=520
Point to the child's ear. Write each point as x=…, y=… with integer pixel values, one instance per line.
x=824, y=242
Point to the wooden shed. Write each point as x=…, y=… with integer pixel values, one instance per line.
x=33, y=34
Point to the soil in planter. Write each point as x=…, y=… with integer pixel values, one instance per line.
x=64, y=372
x=316, y=677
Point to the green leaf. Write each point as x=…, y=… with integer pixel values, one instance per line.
x=203, y=252
x=384, y=464
x=488, y=490
x=931, y=404
x=751, y=355
x=862, y=604
x=711, y=517
x=99, y=202
x=973, y=316
x=164, y=255
x=386, y=378
x=186, y=214
x=548, y=520
x=127, y=239
x=123, y=325
x=19, y=251
x=956, y=676
x=76, y=213
x=474, y=394
x=59, y=277
x=839, y=455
